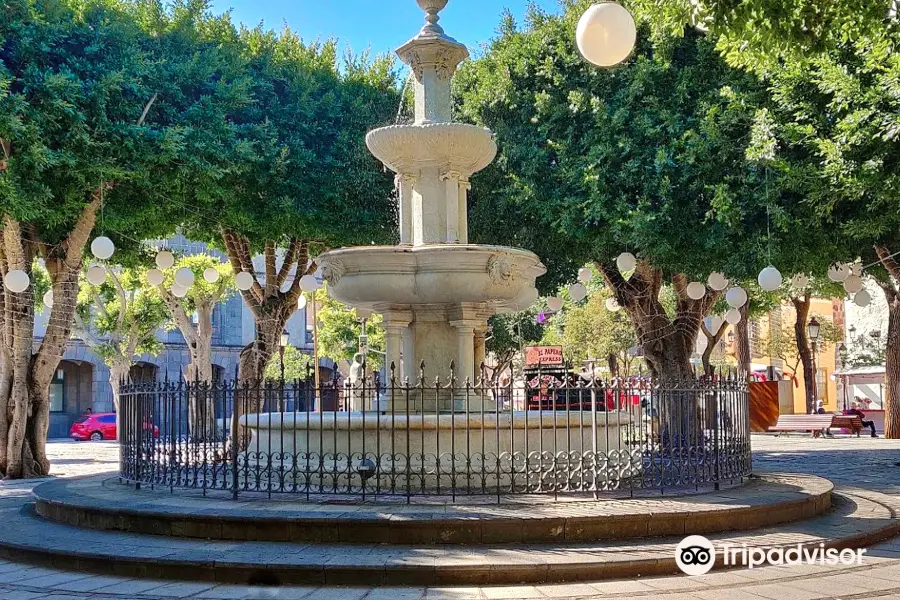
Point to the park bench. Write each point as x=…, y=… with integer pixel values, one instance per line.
x=851, y=422
x=812, y=423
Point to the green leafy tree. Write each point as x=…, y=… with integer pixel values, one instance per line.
x=340, y=330
x=831, y=129
x=118, y=320
x=87, y=104
x=193, y=312
x=297, y=365
x=589, y=331
x=508, y=334
x=282, y=172
x=650, y=157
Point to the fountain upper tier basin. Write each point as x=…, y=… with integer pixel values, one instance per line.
x=374, y=277
x=454, y=146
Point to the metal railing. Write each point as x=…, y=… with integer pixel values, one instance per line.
x=547, y=434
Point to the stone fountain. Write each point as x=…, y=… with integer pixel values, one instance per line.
x=436, y=292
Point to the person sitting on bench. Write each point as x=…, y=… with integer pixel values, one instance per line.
x=862, y=417
x=820, y=410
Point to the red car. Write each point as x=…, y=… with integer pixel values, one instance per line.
x=100, y=426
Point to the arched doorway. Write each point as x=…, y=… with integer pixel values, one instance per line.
x=71, y=395
x=143, y=372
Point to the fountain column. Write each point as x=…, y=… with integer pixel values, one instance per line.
x=480, y=335
x=465, y=340
x=435, y=289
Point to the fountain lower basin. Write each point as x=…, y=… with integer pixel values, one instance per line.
x=435, y=452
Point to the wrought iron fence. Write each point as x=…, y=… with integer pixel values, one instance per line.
x=552, y=434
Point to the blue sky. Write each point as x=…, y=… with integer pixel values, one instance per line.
x=381, y=25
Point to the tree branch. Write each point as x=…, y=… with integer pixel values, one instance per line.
x=889, y=263
x=123, y=298
x=271, y=277
x=182, y=321
x=290, y=258
x=147, y=109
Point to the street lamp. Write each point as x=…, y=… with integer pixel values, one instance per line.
x=812, y=331
x=285, y=338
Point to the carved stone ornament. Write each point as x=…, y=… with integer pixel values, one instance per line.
x=502, y=271
x=332, y=271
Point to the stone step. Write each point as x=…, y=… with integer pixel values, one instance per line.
x=105, y=503
x=857, y=519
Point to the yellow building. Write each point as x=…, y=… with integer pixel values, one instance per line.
x=773, y=350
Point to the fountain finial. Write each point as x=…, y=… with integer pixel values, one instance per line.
x=432, y=8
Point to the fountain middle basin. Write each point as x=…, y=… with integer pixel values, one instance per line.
x=375, y=277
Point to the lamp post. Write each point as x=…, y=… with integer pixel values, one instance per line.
x=285, y=338
x=283, y=342
x=308, y=283
x=812, y=331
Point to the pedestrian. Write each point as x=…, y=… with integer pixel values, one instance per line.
x=854, y=410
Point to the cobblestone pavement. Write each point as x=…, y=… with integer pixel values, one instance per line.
x=863, y=462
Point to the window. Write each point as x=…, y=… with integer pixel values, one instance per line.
x=107, y=419
x=57, y=392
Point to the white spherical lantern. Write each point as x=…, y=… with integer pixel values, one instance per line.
x=717, y=281
x=769, y=279
x=48, y=299
x=715, y=324
x=210, y=274
x=96, y=275
x=102, y=247
x=155, y=277
x=800, y=281
x=736, y=297
x=554, y=303
x=17, y=281
x=862, y=298
x=577, y=291
x=856, y=269
x=702, y=344
x=733, y=316
x=696, y=290
x=179, y=291
x=243, y=281
x=584, y=275
x=612, y=305
x=853, y=284
x=838, y=272
x=165, y=259
x=184, y=277
x=301, y=302
x=606, y=34
x=626, y=262
x=309, y=283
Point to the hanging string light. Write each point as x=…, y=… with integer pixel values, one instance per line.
x=717, y=282
x=17, y=281
x=696, y=290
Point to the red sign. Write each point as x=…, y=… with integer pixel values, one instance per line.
x=543, y=355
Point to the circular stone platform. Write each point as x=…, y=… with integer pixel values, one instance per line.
x=105, y=503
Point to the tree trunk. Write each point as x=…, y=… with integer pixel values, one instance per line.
x=30, y=373
x=118, y=374
x=891, y=289
x=667, y=345
x=892, y=371
x=804, y=351
x=742, y=341
x=612, y=361
x=712, y=339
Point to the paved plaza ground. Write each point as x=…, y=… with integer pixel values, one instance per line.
x=852, y=462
